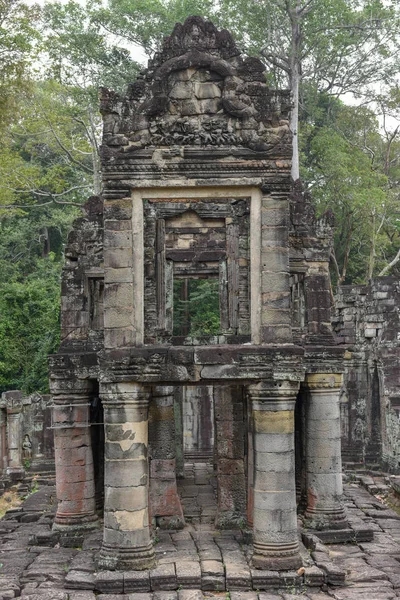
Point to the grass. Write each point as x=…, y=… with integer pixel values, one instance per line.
x=9, y=499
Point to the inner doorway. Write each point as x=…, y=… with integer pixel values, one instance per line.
x=198, y=487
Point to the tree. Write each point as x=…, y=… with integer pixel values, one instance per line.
x=18, y=46
x=328, y=46
x=344, y=157
x=145, y=23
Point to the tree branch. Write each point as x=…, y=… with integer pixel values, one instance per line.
x=391, y=264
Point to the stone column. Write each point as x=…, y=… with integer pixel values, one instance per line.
x=13, y=402
x=3, y=443
x=229, y=446
x=165, y=504
x=178, y=416
x=323, y=452
x=250, y=463
x=73, y=459
x=276, y=545
x=126, y=543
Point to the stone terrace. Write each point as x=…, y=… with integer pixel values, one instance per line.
x=198, y=561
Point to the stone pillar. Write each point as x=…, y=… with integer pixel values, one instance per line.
x=229, y=446
x=165, y=504
x=126, y=543
x=323, y=452
x=250, y=463
x=178, y=416
x=73, y=460
x=276, y=545
x=13, y=403
x=3, y=442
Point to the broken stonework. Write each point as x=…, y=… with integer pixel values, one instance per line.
x=367, y=320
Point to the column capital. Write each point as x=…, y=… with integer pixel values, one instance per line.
x=121, y=395
x=69, y=389
x=323, y=381
x=270, y=392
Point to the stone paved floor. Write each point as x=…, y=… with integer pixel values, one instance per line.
x=192, y=560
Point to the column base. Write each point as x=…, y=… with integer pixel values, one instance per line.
x=325, y=518
x=126, y=559
x=72, y=533
x=279, y=558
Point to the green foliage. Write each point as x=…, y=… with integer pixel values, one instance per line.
x=18, y=47
x=344, y=158
x=29, y=327
x=146, y=22
x=199, y=314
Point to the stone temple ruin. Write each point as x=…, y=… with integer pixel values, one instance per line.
x=197, y=203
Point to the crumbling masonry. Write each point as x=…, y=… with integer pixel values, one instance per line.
x=196, y=167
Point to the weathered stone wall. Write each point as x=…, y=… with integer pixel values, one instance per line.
x=26, y=437
x=367, y=320
x=198, y=421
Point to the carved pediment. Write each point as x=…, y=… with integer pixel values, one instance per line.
x=199, y=91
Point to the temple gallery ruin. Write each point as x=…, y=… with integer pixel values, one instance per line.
x=199, y=273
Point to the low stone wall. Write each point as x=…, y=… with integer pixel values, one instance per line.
x=26, y=437
x=367, y=320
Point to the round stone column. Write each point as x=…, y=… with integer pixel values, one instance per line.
x=323, y=452
x=275, y=536
x=75, y=489
x=164, y=498
x=126, y=543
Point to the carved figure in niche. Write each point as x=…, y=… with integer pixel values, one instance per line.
x=27, y=447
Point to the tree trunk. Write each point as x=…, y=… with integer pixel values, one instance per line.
x=371, y=260
x=295, y=74
x=390, y=265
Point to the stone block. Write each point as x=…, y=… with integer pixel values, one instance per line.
x=314, y=577
x=136, y=581
x=165, y=595
x=206, y=90
x=212, y=583
x=274, y=282
x=118, y=258
x=244, y=596
x=119, y=337
x=264, y=580
x=275, y=316
x=163, y=577
x=274, y=260
x=238, y=577
x=122, y=275
x=82, y=596
x=109, y=581
x=118, y=295
x=117, y=239
x=281, y=334
x=117, y=317
x=188, y=574
x=181, y=90
x=274, y=217
x=122, y=498
x=54, y=594
x=79, y=580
